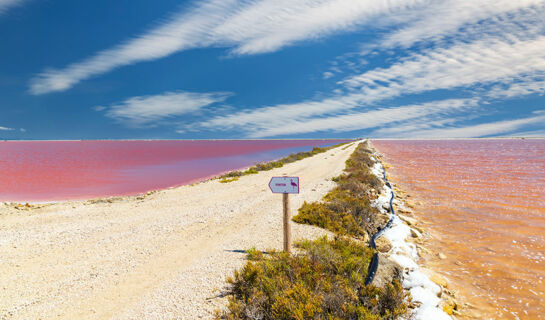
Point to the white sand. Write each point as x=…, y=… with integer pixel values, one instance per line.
x=163, y=257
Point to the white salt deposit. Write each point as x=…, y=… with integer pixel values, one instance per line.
x=422, y=289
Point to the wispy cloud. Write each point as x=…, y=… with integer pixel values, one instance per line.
x=527, y=86
x=148, y=110
x=484, y=61
x=290, y=120
x=370, y=119
x=247, y=27
x=6, y=4
x=487, y=61
x=277, y=115
x=5, y=129
x=498, y=128
x=448, y=18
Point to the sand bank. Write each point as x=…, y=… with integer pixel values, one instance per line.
x=160, y=256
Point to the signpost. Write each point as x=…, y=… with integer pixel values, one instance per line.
x=285, y=185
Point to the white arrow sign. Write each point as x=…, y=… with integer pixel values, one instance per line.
x=284, y=184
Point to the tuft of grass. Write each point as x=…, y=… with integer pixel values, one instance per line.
x=347, y=209
x=266, y=166
x=325, y=281
x=226, y=180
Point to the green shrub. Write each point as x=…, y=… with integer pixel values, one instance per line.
x=325, y=281
x=347, y=209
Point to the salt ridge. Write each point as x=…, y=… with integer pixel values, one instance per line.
x=420, y=287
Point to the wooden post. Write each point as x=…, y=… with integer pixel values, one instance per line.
x=287, y=229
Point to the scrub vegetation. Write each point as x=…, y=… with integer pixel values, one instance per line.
x=325, y=279
x=347, y=209
x=266, y=166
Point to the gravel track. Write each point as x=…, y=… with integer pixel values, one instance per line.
x=163, y=256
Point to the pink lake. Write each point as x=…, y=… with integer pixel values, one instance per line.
x=482, y=200
x=38, y=171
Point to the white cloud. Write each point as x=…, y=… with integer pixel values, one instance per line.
x=327, y=75
x=530, y=85
x=301, y=118
x=530, y=134
x=5, y=129
x=365, y=120
x=6, y=4
x=147, y=110
x=446, y=18
x=516, y=63
x=247, y=27
x=278, y=114
x=461, y=65
x=498, y=128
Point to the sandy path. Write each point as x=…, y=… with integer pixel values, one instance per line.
x=164, y=257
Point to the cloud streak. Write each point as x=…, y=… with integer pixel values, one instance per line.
x=148, y=110
x=461, y=65
x=442, y=19
x=247, y=27
x=6, y=4
x=475, y=131
x=515, y=64
x=298, y=119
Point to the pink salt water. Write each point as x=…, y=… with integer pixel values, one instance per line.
x=483, y=202
x=61, y=170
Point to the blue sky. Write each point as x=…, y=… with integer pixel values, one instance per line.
x=133, y=69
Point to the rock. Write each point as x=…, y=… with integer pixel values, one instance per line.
x=386, y=206
x=415, y=233
x=441, y=256
x=383, y=245
x=404, y=210
x=408, y=220
x=422, y=249
x=387, y=271
x=366, y=238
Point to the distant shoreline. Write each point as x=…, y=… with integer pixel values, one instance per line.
x=285, y=139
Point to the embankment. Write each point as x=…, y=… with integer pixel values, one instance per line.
x=160, y=256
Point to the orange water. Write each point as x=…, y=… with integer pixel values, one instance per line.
x=483, y=203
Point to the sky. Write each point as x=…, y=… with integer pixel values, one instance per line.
x=254, y=69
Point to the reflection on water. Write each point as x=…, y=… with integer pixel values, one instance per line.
x=482, y=200
x=59, y=170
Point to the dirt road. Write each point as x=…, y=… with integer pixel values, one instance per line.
x=163, y=256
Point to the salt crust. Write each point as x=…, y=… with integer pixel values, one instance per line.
x=421, y=288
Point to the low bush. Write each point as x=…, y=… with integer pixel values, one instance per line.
x=347, y=209
x=325, y=281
